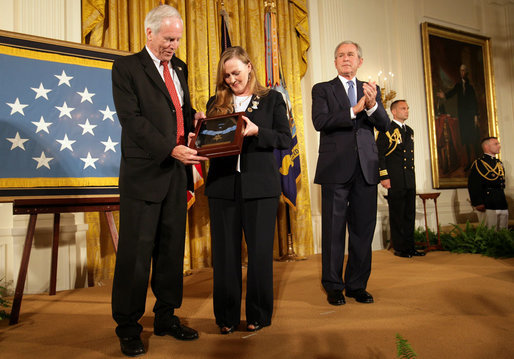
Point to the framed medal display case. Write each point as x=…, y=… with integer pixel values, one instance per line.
x=219, y=135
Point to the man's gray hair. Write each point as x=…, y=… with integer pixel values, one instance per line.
x=348, y=42
x=153, y=19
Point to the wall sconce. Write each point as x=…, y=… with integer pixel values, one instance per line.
x=386, y=85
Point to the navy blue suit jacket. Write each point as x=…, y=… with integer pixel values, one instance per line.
x=344, y=141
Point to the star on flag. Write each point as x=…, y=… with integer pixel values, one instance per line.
x=64, y=79
x=18, y=107
x=109, y=145
x=42, y=125
x=65, y=110
x=89, y=161
x=108, y=114
x=87, y=127
x=18, y=142
x=86, y=96
x=66, y=143
x=42, y=161
x=41, y=91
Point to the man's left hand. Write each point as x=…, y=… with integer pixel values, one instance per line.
x=386, y=183
x=370, y=92
x=480, y=208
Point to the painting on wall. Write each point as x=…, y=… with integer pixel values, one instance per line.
x=60, y=131
x=459, y=89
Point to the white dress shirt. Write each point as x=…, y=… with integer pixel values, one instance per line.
x=345, y=85
x=240, y=105
x=174, y=77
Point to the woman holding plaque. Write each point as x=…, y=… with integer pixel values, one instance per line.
x=243, y=192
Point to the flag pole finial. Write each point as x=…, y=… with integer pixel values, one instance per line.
x=270, y=6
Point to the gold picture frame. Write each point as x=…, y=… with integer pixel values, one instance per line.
x=461, y=102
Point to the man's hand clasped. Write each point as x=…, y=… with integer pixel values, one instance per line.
x=370, y=93
x=369, y=99
x=359, y=106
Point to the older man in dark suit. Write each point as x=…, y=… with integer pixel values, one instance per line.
x=346, y=111
x=152, y=100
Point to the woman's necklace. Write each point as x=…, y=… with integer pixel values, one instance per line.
x=240, y=100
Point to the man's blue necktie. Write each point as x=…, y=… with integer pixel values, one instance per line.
x=351, y=93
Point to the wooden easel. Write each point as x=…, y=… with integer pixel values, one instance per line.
x=35, y=206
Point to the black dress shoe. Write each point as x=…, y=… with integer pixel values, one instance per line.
x=132, y=346
x=403, y=254
x=360, y=296
x=178, y=331
x=335, y=297
x=226, y=330
x=416, y=253
x=253, y=327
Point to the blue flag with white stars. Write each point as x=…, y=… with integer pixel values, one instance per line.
x=58, y=125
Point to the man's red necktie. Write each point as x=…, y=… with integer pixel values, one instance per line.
x=176, y=102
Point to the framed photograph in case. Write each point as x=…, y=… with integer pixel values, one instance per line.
x=219, y=135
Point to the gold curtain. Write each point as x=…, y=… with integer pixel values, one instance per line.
x=119, y=25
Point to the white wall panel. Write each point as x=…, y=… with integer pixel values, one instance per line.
x=56, y=19
x=6, y=15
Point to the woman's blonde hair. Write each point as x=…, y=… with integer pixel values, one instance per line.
x=223, y=102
